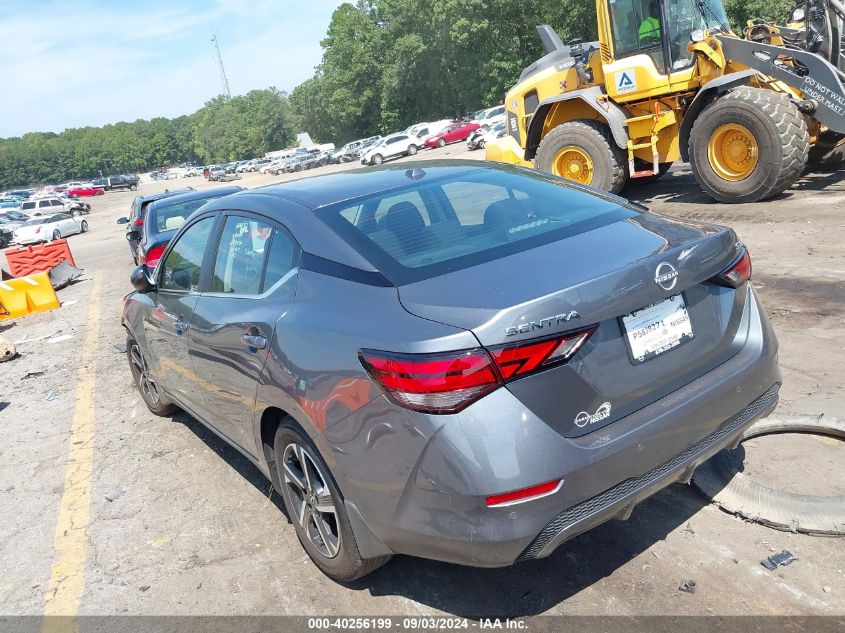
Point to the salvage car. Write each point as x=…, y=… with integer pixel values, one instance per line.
x=391, y=146
x=452, y=134
x=49, y=227
x=463, y=361
x=164, y=217
x=82, y=191
x=138, y=212
x=51, y=205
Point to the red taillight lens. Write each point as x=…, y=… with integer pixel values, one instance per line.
x=139, y=222
x=433, y=383
x=525, y=494
x=449, y=382
x=738, y=273
x=152, y=256
x=518, y=360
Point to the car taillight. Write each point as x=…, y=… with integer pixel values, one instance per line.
x=138, y=222
x=433, y=383
x=515, y=361
x=152, y=256
x=737, y=273
x=451, y=381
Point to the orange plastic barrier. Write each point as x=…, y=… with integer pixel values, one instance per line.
x=19, y=297
x=37, y=259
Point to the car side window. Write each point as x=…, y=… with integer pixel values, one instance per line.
x=181, y=269
x=28, y=205
x=280, y=259
x=43, y=203
x=240, y=256
x=56, y=203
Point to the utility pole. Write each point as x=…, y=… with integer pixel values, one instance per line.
x=220, y=66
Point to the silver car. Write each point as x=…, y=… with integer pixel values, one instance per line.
x=462, y=361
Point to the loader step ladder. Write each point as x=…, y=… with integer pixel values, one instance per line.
x=643, y=134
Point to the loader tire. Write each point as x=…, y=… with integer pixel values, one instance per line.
x=828, y=152
x=585, y=152
x=748, y=145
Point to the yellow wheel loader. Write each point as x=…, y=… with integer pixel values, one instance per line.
x=667, y=81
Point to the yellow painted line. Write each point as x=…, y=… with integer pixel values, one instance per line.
x=67, y=575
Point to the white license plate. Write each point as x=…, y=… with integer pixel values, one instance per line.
x=657, y=328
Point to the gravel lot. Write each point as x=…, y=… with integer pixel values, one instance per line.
x=179, y=523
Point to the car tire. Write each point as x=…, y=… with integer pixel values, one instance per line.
x=412, y=149
x=83, y=227
x=441, y=142
x=150, y=393
x=481, y=144
x=133, y=187
x=307, y=484
x=57, y=235
x=377, y=159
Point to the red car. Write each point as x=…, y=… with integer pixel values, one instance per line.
x=79, y=192
x=452, y=134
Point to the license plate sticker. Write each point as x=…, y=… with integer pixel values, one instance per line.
x=657, y=328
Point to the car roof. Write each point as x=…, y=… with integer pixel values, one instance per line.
x=214, y=192
x=318, y=191
x=163, y=194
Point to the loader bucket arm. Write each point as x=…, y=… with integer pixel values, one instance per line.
x=818, y=80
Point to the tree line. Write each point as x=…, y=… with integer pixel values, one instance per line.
x=386, y=64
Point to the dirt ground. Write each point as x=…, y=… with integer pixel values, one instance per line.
x=176, y=522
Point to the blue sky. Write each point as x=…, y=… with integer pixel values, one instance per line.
x=72, y=63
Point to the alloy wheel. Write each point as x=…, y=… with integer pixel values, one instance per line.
x=146, y=383
x=314, y=507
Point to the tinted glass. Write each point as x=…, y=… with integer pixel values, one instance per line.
x=181, y=269
x=28, y=205
x=240, y=256
x=55, y=203
x=280, y=259
x=43, y=203
x=446, y=224
x=173, y=216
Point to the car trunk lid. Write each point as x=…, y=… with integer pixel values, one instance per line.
x=596, y=278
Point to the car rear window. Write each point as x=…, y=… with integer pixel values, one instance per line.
x=173, y=216
x=437, y=226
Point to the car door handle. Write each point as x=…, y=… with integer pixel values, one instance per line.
x=254, y=340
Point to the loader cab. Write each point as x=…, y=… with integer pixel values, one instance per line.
x=648, y=39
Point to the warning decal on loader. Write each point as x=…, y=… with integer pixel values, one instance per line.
x=626, y=81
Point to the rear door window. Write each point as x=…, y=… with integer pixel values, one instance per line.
x=240, y=257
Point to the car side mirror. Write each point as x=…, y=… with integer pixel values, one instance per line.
x=133, y=235
x=123, y=220
x=142, y=279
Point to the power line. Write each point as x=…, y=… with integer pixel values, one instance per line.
x=223, y=78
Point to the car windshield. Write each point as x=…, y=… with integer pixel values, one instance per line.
x=17, y=216
x=442, y=225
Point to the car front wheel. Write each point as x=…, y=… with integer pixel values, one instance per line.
x=57, y=235
x=412, y=149
x=315, y=507
x=378, y=159
x=441, y=142
x=83, y=227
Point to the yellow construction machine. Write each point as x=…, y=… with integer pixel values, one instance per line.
x=667, y=81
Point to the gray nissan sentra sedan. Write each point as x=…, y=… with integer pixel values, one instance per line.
x=462, y=361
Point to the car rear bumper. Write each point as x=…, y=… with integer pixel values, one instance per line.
x=420, y=482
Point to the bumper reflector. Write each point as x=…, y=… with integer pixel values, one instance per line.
x=525, y=494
